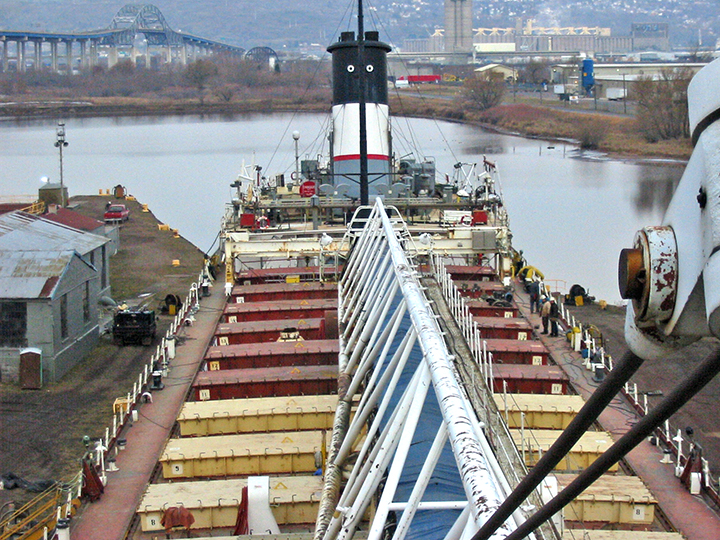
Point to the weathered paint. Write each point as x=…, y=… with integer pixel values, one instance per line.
x=259, y=382
x=215, y=503
x=280, y=309
x=283, y=291
x=480, y=308
x=478, y=289
x=265, y=275
x=660, y=261
x=514, y=351
x=530, y=379
x=504, y=328
x=276, y=354
x=538, y=411
x=292, y=413
x=268, y=331
x=471, y=273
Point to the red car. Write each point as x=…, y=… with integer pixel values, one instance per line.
x=117, y=212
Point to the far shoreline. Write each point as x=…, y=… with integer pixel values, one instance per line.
x=114, y=108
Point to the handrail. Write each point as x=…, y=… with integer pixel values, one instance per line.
x=674, y=443
x=379, y=281
x=32, y=516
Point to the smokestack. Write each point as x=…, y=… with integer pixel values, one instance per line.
x=346, y=112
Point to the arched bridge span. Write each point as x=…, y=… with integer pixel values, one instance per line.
x=138, y=32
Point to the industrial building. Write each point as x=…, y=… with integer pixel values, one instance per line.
x=459, y=39
x=51, y=279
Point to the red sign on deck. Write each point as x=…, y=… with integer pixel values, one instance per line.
x=307, y=189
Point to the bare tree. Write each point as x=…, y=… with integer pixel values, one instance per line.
x=484, y=92
x=199, y=73
x=535, y=72
x=225, y=92
x=662, y=110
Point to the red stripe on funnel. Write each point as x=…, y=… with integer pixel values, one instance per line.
x=348, y=157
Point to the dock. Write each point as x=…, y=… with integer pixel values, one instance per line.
x=146, y=438
x=690, y=515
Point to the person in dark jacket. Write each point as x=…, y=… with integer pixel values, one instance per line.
x=534, y=290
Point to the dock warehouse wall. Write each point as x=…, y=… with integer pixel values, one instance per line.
x=44, y=323
x=82, y=333
x=9, y=364
x=39, y=334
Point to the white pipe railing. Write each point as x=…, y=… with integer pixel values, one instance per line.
x=377, y=275
x=639, y=401
x=122, y=417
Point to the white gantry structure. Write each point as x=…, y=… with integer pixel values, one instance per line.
x=407, y=447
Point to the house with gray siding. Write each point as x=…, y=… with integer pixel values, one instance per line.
x=51, y=278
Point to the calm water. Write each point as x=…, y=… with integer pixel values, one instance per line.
x=570, y=214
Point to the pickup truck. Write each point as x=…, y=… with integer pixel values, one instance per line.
x=116, y=212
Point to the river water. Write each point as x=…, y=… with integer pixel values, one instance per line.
x=570, y=212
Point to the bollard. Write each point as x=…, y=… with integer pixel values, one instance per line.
x=157, y=383
x=62, y=529
x=598, y=373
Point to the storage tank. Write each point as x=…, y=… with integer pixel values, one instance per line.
x=587, y=79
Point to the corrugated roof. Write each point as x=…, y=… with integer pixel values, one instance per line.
x=31, y=274
x=25, y=232
x=73, y=219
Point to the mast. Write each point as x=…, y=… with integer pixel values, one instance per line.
x=363, y=112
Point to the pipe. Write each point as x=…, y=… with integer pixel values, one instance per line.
x=414, y=501
x=484, y=495
x=399, y=458
x=589, y=413
x=680, y=395
x=356, y=495
x=379, y=393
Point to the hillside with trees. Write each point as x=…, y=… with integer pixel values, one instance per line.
x=288, y=24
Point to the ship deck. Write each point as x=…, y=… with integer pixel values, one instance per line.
x=215, y=504
x=689, y=514
x=146, y=438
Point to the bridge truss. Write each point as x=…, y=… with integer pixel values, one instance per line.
x=136, y=31
x=134, y=19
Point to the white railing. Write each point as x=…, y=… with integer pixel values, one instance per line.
x=464, y=319
x=158, y=366
x=457, y=303
x=393, y=369
x=671, y=438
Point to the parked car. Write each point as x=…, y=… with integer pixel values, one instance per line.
x=117, y=212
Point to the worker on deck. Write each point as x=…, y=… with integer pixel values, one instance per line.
x=534, y=290
x=545, y=314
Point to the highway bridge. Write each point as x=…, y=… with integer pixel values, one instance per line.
x=137, y=32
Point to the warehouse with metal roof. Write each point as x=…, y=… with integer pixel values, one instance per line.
x=51, y=279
